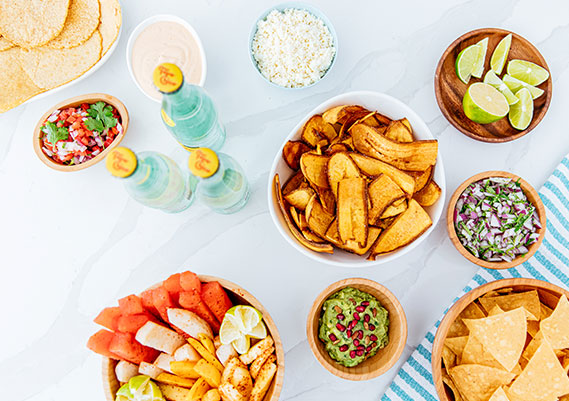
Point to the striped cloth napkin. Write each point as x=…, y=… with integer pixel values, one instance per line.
x=414, y=382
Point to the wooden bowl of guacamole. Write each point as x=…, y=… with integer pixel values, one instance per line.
x=357, y=329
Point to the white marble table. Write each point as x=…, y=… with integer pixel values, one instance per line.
x=74, y=243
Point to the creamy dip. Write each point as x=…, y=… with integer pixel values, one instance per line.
x=165, y=42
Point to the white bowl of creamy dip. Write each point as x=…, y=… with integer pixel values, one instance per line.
x=164, y=39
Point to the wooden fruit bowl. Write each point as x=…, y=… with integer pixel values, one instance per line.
x=385, y=357
x=450, y=90
x=74, y=102
x=532, y=196
x=548, y=294
x=239, y=297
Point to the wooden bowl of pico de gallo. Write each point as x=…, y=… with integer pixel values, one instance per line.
x=79, y=132
x=496, y=220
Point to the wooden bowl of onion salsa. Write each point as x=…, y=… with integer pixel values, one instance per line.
x=496, y=220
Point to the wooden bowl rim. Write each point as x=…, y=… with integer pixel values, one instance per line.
x=528, y=189
x=333, y=368
x=458, y=306
x=278, y=380
x=88, y=98
x=439, y=95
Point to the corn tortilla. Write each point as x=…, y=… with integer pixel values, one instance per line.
x=15, y=86
x=32, y=23
x=82, y=21
x=49, y=68
x=478, y=382
x=111, y=20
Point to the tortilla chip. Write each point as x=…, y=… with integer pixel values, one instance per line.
x=458, y=328
x=529, y=300
x=30, y=24
x=533, y=327
x=5, y=44
x=449, y=358
x=15, y=86
x=474, y=353
x=533, y=346
x=456, y=345
x=499, y=395
x=503, y=335
x=82, y=21
x=555, y=328
x=49, y=68
x=478, y=382
x=546, y=311
x=111, y=20
x=448, y=381
x=543, y=378
x=496, y=310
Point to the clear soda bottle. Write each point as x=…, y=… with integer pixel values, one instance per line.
x=187, y=110
x=223, y=186
x=153, y=179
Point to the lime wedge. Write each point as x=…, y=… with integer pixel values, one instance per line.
x=492, y=79
x=500, y=55
x=139, y=388
x=483, y=104
x=259, y=331
x=465, y=62
x=521, y=113
x=246, y=317
x=515, y=85
x=229, y=330
x=137, y=385
x=125, y=392
x=528, y=72
x=478, y=69
x=242, y=344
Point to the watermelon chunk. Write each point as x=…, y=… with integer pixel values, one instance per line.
x=148, y=302
x=216, y=299
x=131, y=323
x=131, y=305
x=190, y=281
x=192, y=301
x=162, y=301
x=172, y=285
x=127, y=348
x=108, y=318
x=100, y=343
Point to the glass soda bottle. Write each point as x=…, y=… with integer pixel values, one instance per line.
x=223, y=186
x=187, y=110
x=153, y=179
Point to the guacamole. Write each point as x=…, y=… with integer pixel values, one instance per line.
x=353, y=325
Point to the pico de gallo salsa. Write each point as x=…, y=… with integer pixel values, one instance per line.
x=75, y=135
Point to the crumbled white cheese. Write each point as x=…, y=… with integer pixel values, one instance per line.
x=293, y=48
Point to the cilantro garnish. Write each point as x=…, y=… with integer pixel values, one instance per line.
x=100, y=117
x=55, y=133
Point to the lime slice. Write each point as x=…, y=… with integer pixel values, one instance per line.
x=152, y=392
x=483, y=103
x=139, y=388
x=259, y=331
x=246, y=317
x=478, y=69
x=528, y=72
x=229, y=330
x=124, y=392
x=521, y=113
x=500, y=55
x=492, y=79
x=465, y=62
x=515, y=85
x=242, y=344
x=137, y=385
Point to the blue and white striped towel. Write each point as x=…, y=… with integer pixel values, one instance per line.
x=414, y=382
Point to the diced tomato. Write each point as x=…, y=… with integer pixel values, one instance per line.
x=108, y=142
x=84, y=141
x=85, y=106
x=59, y=124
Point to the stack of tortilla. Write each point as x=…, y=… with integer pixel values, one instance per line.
x=47, y=43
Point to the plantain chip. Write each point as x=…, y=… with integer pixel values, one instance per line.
x=316, y=131
x=422, y=178
x=381, y=119
x=382, y=193
x=385, y=223
x=299, y=197
x=352, y=211
x=292, y=152
x=369, y=119
x=428, y=195
x=340, y=166
x=318, y=219
x=327, y=199
x=394, y=209
x=295, y=181
x=373, y=168
x=300, y=222
x=336, y=148
x=314, y=167
x=302, y=225
x=340, y=114
x=406, y=123
x=351, y=246
x=413, y=156
x=397, y=131
x=313, y=246
x=407, y=227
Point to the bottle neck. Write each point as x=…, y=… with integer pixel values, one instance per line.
x=140, y=175
x=187, y=98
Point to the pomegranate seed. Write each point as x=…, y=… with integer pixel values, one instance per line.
x=340, y=317
x=366, y=318
x=356, y=316
x=349, y=333
x=352, y=324
x=340, y=327
x=367, y=341
x=353, y=301
x=337, y=309
x=360, y=308
x=371, y=327
x=344, y=348
x=365, y=303
x=352, y=354
x=373, y=337
x=373, y=345
x=360, y=352
x=366, y=325
x=332, y=337
x=356, y=342
x=368, y=349
x=374, y=312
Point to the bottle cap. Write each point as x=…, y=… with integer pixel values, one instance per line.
x=167, y=77
x=203, y=162
x=121, y=162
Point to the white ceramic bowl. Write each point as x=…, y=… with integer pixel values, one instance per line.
x=390, y=107
x=158, y=18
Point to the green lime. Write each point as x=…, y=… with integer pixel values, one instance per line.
x=483, y=103
x=242, y=344
x=246, y=317
x=528, y=72
x=515, y=85
x=492, y=79
x=465, y=62
x=259, y=331
x=229, y=330
x=478, y=69
x=521, y=113
x=500, y=55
